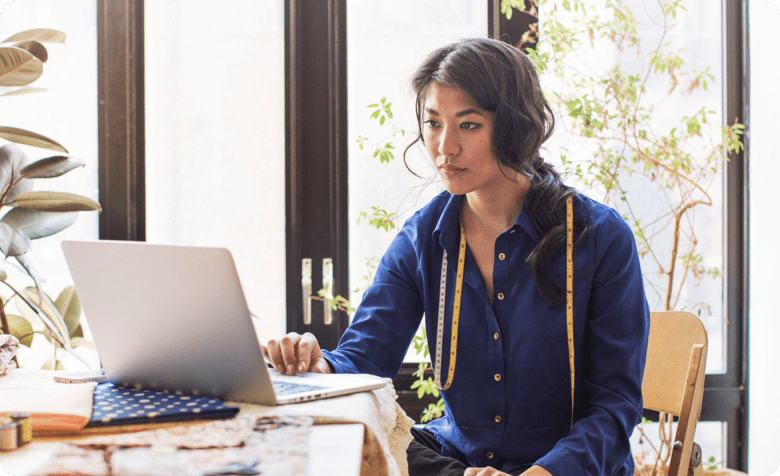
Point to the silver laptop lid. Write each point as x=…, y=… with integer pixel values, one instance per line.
x=170, y=318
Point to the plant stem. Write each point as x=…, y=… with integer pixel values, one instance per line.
x=6, y=328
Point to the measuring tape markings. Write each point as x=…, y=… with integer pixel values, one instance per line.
x=458, y=293
x=455, y=315
x=570, y=294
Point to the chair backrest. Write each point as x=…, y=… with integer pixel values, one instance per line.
x=674, y=377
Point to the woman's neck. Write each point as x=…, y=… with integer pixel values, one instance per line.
x=495, y=210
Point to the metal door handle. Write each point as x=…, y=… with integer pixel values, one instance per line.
x=306, y=282
x=327, y=286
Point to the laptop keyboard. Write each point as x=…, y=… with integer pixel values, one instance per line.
x=287, y=388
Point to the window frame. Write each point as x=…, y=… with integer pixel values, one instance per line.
x=316, y=173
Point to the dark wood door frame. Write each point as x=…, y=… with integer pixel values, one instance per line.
x=316, y=157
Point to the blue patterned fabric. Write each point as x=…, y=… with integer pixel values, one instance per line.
x=127, y=406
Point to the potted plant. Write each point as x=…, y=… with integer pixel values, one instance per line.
x=28, y=214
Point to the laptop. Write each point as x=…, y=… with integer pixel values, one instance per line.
x=174, y=318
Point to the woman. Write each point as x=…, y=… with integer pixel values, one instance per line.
x=507, y=377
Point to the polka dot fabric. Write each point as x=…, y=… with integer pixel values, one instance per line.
x=113, y=405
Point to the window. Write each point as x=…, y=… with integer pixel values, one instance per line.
x=214, y=108
x=319, y=159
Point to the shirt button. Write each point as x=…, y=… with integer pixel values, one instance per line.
x=490, y=455
x=495, y=336
x=498, y=418
x=500, y=296
x=497, y=377
x=501, y=256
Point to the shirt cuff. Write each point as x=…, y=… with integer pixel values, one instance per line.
x=560, y=462
x=338, y=363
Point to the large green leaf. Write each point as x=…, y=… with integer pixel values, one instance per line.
x=12, y=160
x=35, y=48
x=68, y=305
x=21, y=136
x=55, y=202
x=21, y=327
x=12, y=241
x=51, y=167
x=46, y=305
x=38, y=224
x=44, y=35
x=18, y=67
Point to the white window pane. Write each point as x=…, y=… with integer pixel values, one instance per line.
x=215, y=138
x=67, y=113
x=386, y=42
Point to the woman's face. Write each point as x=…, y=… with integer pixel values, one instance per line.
x=459, y=137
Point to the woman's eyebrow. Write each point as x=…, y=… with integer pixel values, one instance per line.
x=465, y=112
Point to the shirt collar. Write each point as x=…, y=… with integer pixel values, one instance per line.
x=448, y=227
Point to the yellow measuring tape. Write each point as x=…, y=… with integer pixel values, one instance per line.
x=455, y=315
x=570, y=294
x=459, y=291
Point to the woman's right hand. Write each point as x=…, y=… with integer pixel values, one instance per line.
x=295, y=353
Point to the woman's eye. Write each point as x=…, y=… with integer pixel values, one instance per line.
x=431, y=123
x=470, y=126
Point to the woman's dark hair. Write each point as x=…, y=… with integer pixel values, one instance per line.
x=503, y=81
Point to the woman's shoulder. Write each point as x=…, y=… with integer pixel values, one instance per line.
x=427, y=218
x=599, y=216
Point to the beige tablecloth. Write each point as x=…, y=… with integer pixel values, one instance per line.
x=64, y=409
x=54, y=406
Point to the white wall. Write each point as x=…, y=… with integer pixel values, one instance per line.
x=764, y=313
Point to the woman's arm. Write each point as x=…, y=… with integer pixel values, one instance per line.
x=389, y=313
x=616, y=329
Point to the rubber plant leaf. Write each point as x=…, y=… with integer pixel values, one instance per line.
x=36, y=223
x=69, y=307
x=55, y=202
x=25, y=304
x=44, y=35
x=12, y=241
x=51, y=167
x=12, y=160
x=33, y=314
x=45, y=304
x=18, y=67
x=21, y=136
x=35, y=48
x=20, y=328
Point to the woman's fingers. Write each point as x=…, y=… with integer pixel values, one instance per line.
x=275, y=355
x=308, y=351
x=295, y=353
x=289, y=350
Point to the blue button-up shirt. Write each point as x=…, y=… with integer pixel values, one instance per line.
x=510, y=401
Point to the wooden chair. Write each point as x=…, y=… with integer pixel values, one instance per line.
x=674, y=381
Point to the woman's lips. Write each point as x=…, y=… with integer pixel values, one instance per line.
x=448, y=169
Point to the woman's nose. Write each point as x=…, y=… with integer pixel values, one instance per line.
x=448, y=143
